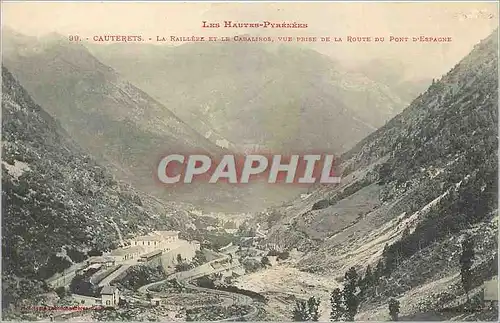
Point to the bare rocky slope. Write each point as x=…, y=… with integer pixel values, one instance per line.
x=410, y=191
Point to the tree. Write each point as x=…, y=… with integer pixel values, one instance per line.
x=379, y=270
x=183, y=266
x=466, y=261
x=337, y=308
x=283, y=255
x=350, y=297
x=265, y=261
x=368, y=280
x=190, y=316
x=384, y=173
x=122, y=302
x=351, y=277
x=76, y=255
x=94, y=252
x=394, y=309
x=60, y=291
x=179, y=258
x=300, y=312
x=200, y=257
x=313, y=308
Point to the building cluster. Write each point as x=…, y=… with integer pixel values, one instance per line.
x=147, y=245
x=139, y=249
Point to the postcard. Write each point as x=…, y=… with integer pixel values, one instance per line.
x=249, y=161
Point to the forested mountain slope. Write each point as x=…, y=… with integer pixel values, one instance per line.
x=409, y=193
x=57, y=201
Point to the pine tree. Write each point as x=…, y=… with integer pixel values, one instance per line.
x=265, y=261
x=368, y=280
x=337, y=307
x=379, y=271
x=313, y=308
x=466, y=261
x=190, y=316
x=351, y=277
x=350, y=297
x=369, y=277
x=394, y=309
x=300, y=312
x=389, y=259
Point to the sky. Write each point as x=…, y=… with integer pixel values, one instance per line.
x=467, y=23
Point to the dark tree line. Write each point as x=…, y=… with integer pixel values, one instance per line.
x=394, y=309
x=466, y=261
x=306, y=310
x=458, y=210
x=344, y=304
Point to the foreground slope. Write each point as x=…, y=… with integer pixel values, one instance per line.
x=56, y=200
x=410, y=191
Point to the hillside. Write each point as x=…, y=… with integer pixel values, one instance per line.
x=120, y=125
x=410, y=191
x=57, y=201
x=279, y=97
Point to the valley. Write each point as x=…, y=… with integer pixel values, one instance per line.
x=406, y=229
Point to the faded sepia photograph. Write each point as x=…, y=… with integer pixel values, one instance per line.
x=258, y=161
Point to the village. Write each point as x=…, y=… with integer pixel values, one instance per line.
x=159, y=247
x=164, y=248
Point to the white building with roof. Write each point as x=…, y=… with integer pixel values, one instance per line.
x=147, y=247
x=149, y=242
x=158, y=240
x=490, y=292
